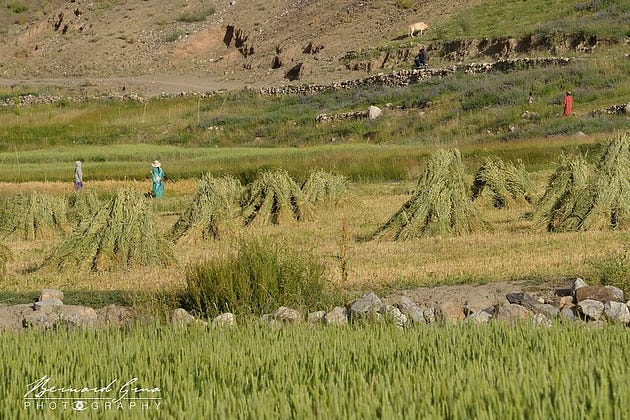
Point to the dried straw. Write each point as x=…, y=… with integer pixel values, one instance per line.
x=273, y=198
x=212, y=211
x=324, y=187
x=508, y=183
x=121, y=235
x=32, y=216
x=440, y=206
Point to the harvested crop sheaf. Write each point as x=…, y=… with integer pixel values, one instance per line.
x=508, y=183
x=324, y=187
x=121, y=235
x=213, y=210
x=604, y=202
x=82, y=205
x=33, y=215
x=273, y=198
x=441, y=204
x=566, y=188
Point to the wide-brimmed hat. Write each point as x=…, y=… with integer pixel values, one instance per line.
x=156, y=164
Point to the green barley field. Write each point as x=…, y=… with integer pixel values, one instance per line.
x=364, y=372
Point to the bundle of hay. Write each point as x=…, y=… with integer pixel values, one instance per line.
x=604, y=202
x=566, y=187
x=273, y=198
x=507, y=182
x=82, y=205
x=324, y=187
x=5, y=256
x=33, y=215
x=122, y=234
x=441, y=204
x=214, y=206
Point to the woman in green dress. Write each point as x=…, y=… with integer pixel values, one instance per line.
x=157, y=178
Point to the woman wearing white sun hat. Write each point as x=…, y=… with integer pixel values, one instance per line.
x=157, y=178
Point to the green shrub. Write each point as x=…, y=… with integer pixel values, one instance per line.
x=258, y=278
x=613, y=270
x=196, y=16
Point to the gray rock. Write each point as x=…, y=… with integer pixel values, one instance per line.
x=50, y=293
x=523, y=299
x=116, y=316
x=317, y=317
x=394, y=314
x=429, y=315
x=480, y=317
x=512, y=313
x=338, y=316
x=11, y=316
x=567, y=314
x=181, y=318
x=617, y=293
x=284, y=314
x=226, y=319
x=374, y=112
x=591, y=309
x=450, y=312
x=49, y=301
x=409, y=308
x=367, y=304
x=547, y=310
x=47, y=317
x=541, y=320
x=617, y=312
x=578, y=283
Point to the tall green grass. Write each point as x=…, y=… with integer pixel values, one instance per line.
x=494, y=371
x=259, y=277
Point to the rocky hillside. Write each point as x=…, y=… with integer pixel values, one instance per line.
x=197, y=44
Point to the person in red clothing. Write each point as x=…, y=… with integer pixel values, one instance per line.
x=568, y=104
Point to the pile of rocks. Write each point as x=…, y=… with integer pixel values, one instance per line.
x=622, y=109
x=580, y=303
x=49, y=312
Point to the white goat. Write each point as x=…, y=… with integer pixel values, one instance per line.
x=415, y=27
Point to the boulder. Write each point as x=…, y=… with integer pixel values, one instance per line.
x=617, y=312
x=591, y=309
x=284, y=314
x=409, y=308
x=394, y=314
x=116, y=316
x=226, y=319
x=50, y=293
x=450, y=312
x=374, y=112
x=338, y=316
x=317, y=317
x=365, y=305
x=181, y=318
x=53, y=316
x=599, y=293
x=512, y=313
x=480, y=317
x=11, y=316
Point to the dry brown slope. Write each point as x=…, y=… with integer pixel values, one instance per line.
x=98, y=41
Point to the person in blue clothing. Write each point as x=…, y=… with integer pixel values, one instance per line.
x=78, y=176
x=157, y=179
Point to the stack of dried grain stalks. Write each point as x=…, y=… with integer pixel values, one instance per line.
x=578, y=198
x=213, y=210
x=33, y=216
x=509, y=184
x=325, y=187
x=273, y=198
x=441, y=204
x=122, y=234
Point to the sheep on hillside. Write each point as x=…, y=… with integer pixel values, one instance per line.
x=415, y=27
